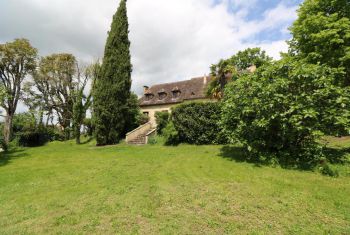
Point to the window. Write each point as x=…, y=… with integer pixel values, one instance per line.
x=162, y=95
x=176, y=94
x=149, y=97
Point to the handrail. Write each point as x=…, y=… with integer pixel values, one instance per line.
x=138, y=131
x=138, y=128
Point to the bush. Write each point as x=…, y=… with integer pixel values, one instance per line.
x=162, y=119
x=33, y=138
x=198, y=123
x=3, y=144
x=171, y=135
x=281, y=110
x=142, y=119
x=38, y=136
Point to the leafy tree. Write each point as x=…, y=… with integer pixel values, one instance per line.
x=221, y=74
x=112, y=88
x=282, y=109
x=82, y=102
x=17, y=60
x=54, y=85
x=249, y=57
x=162, y=119
x=133, y=113
x=321, y=34
x=198, y=123
x=230, y=69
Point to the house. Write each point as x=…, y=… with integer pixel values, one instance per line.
x=162, y=97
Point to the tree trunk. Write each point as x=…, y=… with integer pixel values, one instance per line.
x=8, y=128
x=77, y=134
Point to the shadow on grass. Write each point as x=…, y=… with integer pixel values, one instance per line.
x=9, y=156
x=87, y=140
x=337, y=155
x=240, y=154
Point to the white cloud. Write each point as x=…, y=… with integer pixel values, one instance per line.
x=171, y=40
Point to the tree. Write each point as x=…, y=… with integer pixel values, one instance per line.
x=249, y=57
x=82, y=102
x=281, y=110
x=54, y=85
x=112, y=88
x=230, y=69
x=17, y=60
x=321, y=34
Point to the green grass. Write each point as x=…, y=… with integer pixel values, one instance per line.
x=62, y=188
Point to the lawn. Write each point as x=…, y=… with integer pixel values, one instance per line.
x=62, y=188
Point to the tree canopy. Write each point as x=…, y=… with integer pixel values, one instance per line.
x=112, y=88
x=321, y=34
x=17, y=60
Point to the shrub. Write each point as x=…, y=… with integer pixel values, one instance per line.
x=33, y=138
x=142, y=119
x=89, y=125
x=198, y=123
x=3, y=144
x=171, y=136
x=162, y=119
x=281, y=110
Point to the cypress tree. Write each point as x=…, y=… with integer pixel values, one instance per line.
x=112, y=88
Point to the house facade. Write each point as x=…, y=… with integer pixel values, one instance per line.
x=162, y=97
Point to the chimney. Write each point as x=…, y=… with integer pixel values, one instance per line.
x=145, y=89
x=252, y=68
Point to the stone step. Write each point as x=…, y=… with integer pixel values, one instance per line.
x=139, y=140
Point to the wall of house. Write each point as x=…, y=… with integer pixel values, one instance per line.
x=152, y=109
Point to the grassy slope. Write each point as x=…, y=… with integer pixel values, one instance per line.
x=64, y=188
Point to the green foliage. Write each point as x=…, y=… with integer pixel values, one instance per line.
x=326, y=169
x=24, y=122
x=248, y=57
x=134, y=116
x=142, y=118
x=89, y=125
x=282, y=109
x=321, y=34
x=112, y=88
x=162, y=120
x=17, y=60
x=54, y=87
x=198, y=123
x=171, y=135
x=3, y=144
x=33, y=138
x=231, y=69
x=28, y=132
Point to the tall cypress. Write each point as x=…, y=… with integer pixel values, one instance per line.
x=112, y=88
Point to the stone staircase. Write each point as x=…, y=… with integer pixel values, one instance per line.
x=140, y=135
x=138, y=140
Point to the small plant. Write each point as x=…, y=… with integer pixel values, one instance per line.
x=162, y=120
x=171, y=135
x=152, y=140
x=326, y=169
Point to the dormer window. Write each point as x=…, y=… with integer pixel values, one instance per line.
x=149, y=96
x=176, y=93
x=162, y=94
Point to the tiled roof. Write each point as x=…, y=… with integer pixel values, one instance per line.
x=166, y=93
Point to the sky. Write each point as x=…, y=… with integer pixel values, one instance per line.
x=171, y=40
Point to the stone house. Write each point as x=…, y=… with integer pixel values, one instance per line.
x=161, y=98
